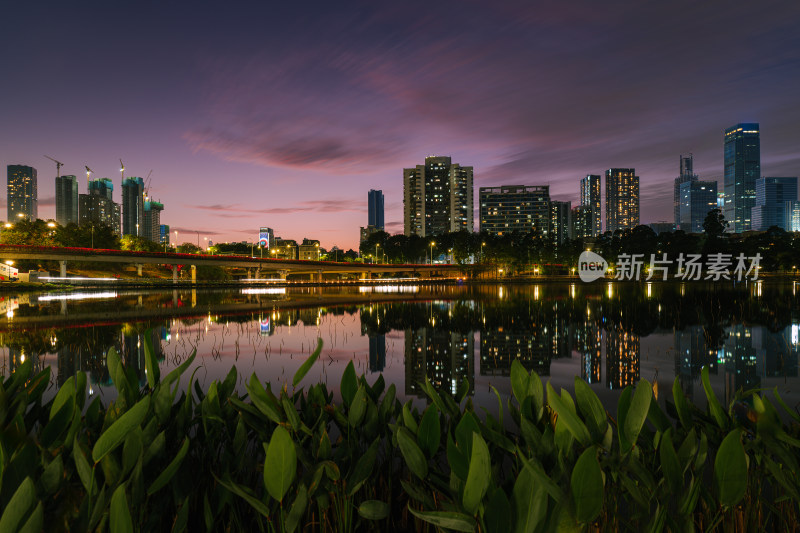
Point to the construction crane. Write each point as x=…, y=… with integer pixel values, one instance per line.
x=122, y=170
x=147, y=185
x=59, y=164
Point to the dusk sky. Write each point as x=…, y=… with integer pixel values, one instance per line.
x=268, y=114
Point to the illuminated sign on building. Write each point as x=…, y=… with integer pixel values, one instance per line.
x=264, y=237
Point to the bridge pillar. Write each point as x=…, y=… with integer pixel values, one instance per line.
x=194, y=273
x=282, y=274
x=63, y=265
x=258, y=273
x=174, y=274
x=139, y=270
x=366, y=275
x=319, y=276
x=249, y=274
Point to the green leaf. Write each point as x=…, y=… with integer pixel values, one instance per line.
x=150, y=363
x=637, y=412
x=298, y=508
x=262, y=400
x=447, y=520
x=498, y=513
x=120, y=513
x=519, y=381
x=589, y=405
x=670, y=465
x=429, y=434
x=408, y=418
x=243, y=493
x=587, y=486
x=373, y=510
x=307, y=364
x=172, y=468
x=681, y=405
x=480, y=473
x=713, y=404
x=730, y=469
x=568, y=417
x=65, y=393
x=280, y=464
x=349, y=384
x=363, y=468
x=358, y=407
x=52, y=475
x=414, y=457
x=85, y=472
x=530, y=502
x=116, y=433
x=19, y=506
x=35, y=521
x=178, y=372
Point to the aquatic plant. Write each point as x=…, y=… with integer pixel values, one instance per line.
x=173, y=457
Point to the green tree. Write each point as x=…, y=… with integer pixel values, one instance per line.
x=139, y=244
x=34, y=233
x=88, y=235
x=715, y=224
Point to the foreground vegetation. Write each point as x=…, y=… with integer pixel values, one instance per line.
x=178, y=458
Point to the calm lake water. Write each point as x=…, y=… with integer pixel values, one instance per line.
x=610, y=334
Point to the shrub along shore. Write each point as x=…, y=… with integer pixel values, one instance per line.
x=168, y=457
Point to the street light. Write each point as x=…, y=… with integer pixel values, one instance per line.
x=317, y=245
x=432, y=245
x=482, y=256
x=376, y=251
x=176, y=241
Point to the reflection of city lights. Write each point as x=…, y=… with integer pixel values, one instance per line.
x=78, y=296
x=389, y=288
x=267, y=290
x=535, y=292
x=10, y=314
x=610, y=290
x=22, y=358
x=649, y=289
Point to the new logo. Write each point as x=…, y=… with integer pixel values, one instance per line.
x=591, y=266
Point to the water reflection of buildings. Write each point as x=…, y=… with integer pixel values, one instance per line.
x=623, y=349
x=444, y=357
x=587, y=341
x=499, y=348
x=692, y=353
x=377, y=353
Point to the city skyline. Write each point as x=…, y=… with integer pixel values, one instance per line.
x=250, y=121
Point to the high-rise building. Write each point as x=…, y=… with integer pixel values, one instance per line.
x=582, y=222
x=152, y=220
x=771, y=197
x=375, y=209
x=66, y=200
x=622, y=199
x=23, y=195
x=133, y=206
x=560, y=220
x=523, y=208
x=163, y=231
x=686, y=175
x=791, y=216
x=437, y=198
x=98, y=205
x=697, y=199
x=742, y=169
x=590, y=196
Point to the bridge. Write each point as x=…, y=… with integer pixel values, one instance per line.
x=255, y=267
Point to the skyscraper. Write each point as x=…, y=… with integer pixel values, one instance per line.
x=375, y=208
x=742, y=169
x=582, y=222
x=697, y=199
x=66, y=200
x=133, y=206
x=22, y=193
x=560, y=213
x=523, y=208
x=590, y=196
x=622, y=199
x=686, y=175
x=151, y=228
x=437, y=198
x=772, y=194
x=98, y=205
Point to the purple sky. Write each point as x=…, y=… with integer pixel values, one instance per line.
x=266, y=114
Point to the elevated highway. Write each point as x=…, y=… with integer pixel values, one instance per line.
x=255, y=267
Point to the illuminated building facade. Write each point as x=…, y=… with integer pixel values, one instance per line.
x=742, y=152
x=560, y=220
x=133, y=207
x=771, y=197
x=686, y=175
x=622, y=199
x=437, y=198
x=98, y=205
x=590, y=197
x=67, y=200
x=697, y=198
x=23, y=194
x=446, y=358
x=152, y=220
x=523, y=208
x=622, y=358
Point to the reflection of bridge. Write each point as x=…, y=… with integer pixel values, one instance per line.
x=255, y=266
